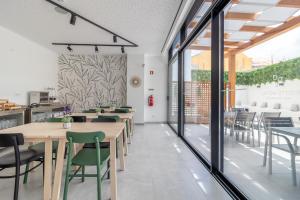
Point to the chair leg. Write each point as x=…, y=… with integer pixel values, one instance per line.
x=26, y=174
x=259, y=137
x=265, y=150
x=108, y=168
x=43, y=171
x=55, y=156
x=248, y=137
x=98, y=182
x=17, y=180
x=82, y=175
x=253, y=141
x=293, y=164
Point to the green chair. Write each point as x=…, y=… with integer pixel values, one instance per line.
x=90, y=111
x=40, y=147
x=113, y=118
x=101, y=118
x=121, y=110
x=86, y=157
x=104, y=106
x=54, y=119
x=128, y=107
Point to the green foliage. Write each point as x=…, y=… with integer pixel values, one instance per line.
x=288, y=70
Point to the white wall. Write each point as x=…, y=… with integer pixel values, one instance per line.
x=25, y=66
x=158, y=82
x=135, y=96
x=285, y=95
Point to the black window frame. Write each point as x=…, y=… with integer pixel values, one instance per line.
x=170, y=63
x=216, y=17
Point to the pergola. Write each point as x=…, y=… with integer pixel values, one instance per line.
x=248, y=23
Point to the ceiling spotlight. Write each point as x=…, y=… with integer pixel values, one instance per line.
x=122, y=49
x=60, y=10
x=115, y=39
x=96, y=49
x=69, y=48
x=73, y=19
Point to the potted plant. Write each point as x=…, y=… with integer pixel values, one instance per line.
x=67, y=122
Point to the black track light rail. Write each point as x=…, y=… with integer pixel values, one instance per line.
x=88, y=44
x=93, y=23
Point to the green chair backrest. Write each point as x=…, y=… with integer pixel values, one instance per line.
x=54, y=119
x=90, y=111
x=121, y=110
x=101, y=118
x=104, y=106
x=85, y=137
x=129, y=107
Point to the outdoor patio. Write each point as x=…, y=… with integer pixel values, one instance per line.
x=243, y=164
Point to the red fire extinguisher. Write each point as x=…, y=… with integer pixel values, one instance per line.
x=150, y=100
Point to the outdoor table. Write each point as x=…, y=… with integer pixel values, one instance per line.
x=287, y=131
x=49, y=132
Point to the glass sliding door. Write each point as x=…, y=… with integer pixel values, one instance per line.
x=197, y=87
x=173, y=95
x=261, y=80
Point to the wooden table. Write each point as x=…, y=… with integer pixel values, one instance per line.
x=48, y=132
x=127, y=116
x=95, y=115
x=123, y=116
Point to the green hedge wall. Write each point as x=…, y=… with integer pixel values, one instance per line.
x=289, y=70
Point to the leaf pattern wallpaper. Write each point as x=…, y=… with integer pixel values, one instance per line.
x=87, y=81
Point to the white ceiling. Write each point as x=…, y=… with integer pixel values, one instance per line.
x=144, y=22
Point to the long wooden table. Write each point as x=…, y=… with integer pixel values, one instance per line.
x=49, y=132
x=123, y=116
x=95, y=115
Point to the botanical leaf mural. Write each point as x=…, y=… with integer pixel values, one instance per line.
x=87, y=81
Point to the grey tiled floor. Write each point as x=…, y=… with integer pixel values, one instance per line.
x=243, y=166
x=159, y=167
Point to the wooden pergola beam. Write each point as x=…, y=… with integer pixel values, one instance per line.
x=205, y=48
x=231, y=43
x=289, y=3
x=198, y=47
x=260, y=29
x=232, y=78
x=241, y=16
x=287, y=26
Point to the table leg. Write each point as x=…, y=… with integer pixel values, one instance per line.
x=266, y=150
x=113, y=169
x=125, y=141
x=270, y=151
x=121, y=153
x=131, y=126
x=128, y=130
x=59, y=169
x=48, y=170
